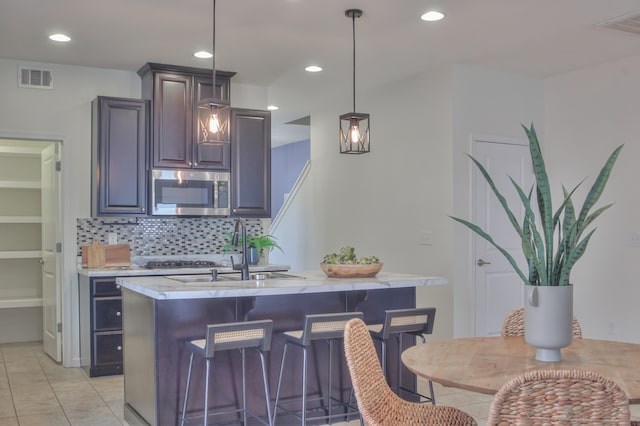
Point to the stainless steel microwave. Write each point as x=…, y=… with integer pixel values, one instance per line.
x=190, y=193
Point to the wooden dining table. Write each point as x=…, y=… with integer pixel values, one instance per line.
x=484, y=364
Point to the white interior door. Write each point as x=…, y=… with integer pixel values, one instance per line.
x=498, y=289
x=51, y=254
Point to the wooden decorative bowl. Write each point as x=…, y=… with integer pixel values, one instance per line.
x=351, y=271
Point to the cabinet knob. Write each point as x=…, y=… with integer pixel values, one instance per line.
x=117, y=286
x=189, y=164
x=195, y=164
x=119, y=348
x=142, y=209
x=118, y=314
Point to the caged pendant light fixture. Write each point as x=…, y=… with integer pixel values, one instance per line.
x=214, y=113
x=354, y=127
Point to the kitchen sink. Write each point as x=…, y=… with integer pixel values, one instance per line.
x=258, y=276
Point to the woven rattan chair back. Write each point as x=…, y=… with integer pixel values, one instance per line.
x=513, y=324
x=559, y=397
x=377, y=403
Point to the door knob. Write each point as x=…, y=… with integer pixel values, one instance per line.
x=481, y=262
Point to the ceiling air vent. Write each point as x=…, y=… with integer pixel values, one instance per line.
x=34, y=78
x=629, y=23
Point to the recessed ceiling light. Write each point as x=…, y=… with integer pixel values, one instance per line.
x=60, y=37
x=203, y=54
x=431, y=16
x=273, y=107
x=313, y=68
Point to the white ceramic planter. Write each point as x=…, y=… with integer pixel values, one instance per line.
x=548, y=320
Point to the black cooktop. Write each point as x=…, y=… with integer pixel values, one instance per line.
x=171, y=264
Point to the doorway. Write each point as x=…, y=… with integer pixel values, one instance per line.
x=497, y=288
x=30, y=229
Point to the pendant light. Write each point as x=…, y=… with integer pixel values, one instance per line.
x=213, y=113
x=354, y=127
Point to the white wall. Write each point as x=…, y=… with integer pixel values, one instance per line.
x=587, y=114
x=378, y=202
x=491, y=103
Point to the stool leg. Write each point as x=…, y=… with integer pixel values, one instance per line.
x=244, y=388
x=383, y=357
x=186, y=392
x=267, y=397
x=304, y=386
x=399, y=338
x=275, y=407
x=206, y=392
x=330, y=384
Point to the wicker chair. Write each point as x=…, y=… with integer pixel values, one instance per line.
x=559, y=397
x=513, y=324
x=378, y=404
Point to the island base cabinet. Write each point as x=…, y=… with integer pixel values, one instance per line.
x=156, y=360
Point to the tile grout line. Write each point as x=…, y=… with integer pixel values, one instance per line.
x=50, y=387
x=6, y=374
x=105, y=402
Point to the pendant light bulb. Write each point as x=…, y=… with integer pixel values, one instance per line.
x=214, y=123
x=354, y=132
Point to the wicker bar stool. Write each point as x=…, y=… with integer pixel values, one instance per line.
x=223, y=337
x=327, y=327
x=414, y=321
x=559, y=397
x=378, y=404
x=513, y=324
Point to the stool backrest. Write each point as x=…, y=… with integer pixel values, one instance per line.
x=412, y=320
x=326, y=326
x=238, y=335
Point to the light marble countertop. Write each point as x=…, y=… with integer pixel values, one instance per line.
x=162, y=287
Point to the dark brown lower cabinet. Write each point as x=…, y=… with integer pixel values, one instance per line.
x=101, y=345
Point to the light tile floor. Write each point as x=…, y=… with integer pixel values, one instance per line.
x=35, y=391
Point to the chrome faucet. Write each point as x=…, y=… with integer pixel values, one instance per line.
x=244, y=266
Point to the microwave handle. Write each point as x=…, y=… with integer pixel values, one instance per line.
x=215, y=195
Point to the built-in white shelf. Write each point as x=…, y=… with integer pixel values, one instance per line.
x=21, y=184
x=20, y=151
x=31, y=254
x=22, y=302
x=20, y=219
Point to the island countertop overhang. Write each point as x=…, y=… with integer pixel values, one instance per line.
x=163, y=288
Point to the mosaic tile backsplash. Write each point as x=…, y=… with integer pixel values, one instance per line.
x=164, y=236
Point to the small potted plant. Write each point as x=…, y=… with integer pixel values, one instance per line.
x=255, y=246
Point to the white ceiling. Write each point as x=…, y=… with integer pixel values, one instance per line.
x=269, y=42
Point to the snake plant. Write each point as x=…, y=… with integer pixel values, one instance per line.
x=553, y=250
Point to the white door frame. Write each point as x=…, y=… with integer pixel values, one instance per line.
x=63, y=313
x=474, y=139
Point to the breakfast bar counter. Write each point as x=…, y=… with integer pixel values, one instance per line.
x=161, y=313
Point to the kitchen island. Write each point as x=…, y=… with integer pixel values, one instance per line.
x=161, y=314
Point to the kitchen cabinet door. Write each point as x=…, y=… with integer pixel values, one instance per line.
x=119, y=141
x=250, y=163
x=172, y=121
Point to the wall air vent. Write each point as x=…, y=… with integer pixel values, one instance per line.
x=34, y=78
x=629, y=23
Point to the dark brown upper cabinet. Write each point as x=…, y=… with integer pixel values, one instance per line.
x=250, y=163
x=175, y=93
x=119, y=162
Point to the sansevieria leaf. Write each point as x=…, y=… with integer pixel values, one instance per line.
x=552, y=251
